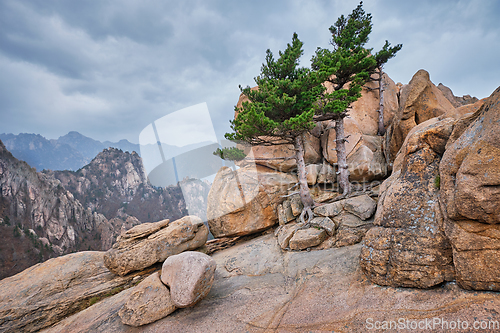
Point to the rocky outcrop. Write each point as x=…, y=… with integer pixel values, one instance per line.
x=420, y=101
x=149, y=302
x=45, y=293
x=281, y=157
x=365, y=153
x=470, y=193
x=114, y=184
x=294, y=292
x=365, y=110
x=408, y=247
x=244, y=201
x=33, y=200
x=364, y=148
x=189, y=275
x=455, y=100
x=149, y=243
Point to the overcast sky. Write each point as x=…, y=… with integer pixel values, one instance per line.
x=109, y=68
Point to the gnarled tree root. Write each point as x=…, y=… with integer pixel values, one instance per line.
x=310, y=215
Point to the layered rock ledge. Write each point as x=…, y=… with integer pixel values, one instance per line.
x=260, y=288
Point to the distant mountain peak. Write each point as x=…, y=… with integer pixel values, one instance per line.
x=69, y=152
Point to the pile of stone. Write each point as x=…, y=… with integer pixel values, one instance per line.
x=185, y=280
x=186, y=276
x=335, y=224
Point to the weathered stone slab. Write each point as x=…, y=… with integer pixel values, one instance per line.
x=136, y=253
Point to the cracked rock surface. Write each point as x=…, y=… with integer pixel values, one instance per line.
x=408, y=246
x=260, y=288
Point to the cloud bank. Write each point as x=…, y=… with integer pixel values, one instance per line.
x=109, y=68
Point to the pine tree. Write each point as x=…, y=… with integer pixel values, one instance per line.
x=290, y=99
x=348, y=67
x=281, y=110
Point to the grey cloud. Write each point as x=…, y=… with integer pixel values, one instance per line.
x=109, y=68
x=142, y=22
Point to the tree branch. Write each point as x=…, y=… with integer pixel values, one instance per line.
x=330, y=116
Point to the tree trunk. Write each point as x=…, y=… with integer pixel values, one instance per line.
x=342, y=156
x=381, y=127
x=305, y=195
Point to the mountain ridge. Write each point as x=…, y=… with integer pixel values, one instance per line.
x=51, y=213
x=69, y=152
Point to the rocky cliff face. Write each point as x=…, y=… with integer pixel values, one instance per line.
x=470, y=196
x=47, y=214
x=437, y=217
x=40, y=218
x=370, y=160
x=114, y=184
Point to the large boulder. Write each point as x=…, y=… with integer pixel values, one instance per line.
x=367, y=161
x=365, y=109
x=470, y=192
x=258, y=287
x=149, y=243
x=408, y=246
x=245, y=201
x=420, y=101
x=455, y=100
x=189, y=275
x=43, y=294
x=281, y=157
x=148, y=302
x=365, y=153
